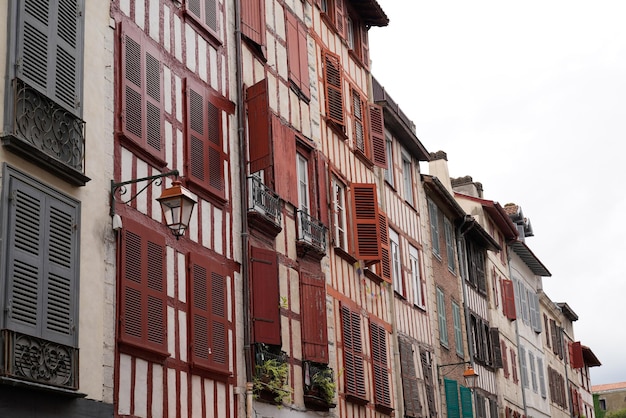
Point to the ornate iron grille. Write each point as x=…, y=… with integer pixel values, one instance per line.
x=48, y=127
x=311, y=231
x=38, y=360
x=263, y=200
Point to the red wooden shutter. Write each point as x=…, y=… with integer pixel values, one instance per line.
x=265, y=296
x=334, y=88
x=259, y=129
x=253, y=20
x=340, y=17
x=365, y=56
x=284, y=147
x=322, y=187
x=378, y=338
x=303, y=49
x=385, y=257
x=366, y=221
x=576, y=358
x=377, y=135
x=354, y=374
x=508, y=299
x=142, y=91
x=143, y=304
x=204, y=153
x=297, y=54
x=208, y=316
x=204, y=12
x=505, y=360
x=314, y=325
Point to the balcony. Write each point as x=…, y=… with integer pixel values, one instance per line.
x=34, y=360
x=264, y=207
x=46, y=134
x=311, y=237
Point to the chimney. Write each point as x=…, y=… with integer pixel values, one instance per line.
x=438, y=167
x=468, y=186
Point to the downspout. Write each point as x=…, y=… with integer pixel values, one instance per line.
x=396, y=349
x=517, y=336
x=569, y=390
x=243, y=152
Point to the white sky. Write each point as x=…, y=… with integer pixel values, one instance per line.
x=529, y=98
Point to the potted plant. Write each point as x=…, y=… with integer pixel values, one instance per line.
x=320, y=387
x=270, y=380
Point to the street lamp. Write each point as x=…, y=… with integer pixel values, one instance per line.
x=176, y=202
x=469, y=374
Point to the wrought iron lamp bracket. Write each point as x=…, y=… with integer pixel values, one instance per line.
x=157, y=179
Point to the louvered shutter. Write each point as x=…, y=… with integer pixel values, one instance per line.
x=50, y=49
x=208, y=317
x=142, y=91
x=365, y=56
x=377, y=135
x=366, y=221
x=265, y=296
x=334, y=88
x=537, y=313
x=385, y=258
x=303, y=49
x=253, y=20
x=354, y=374
x=452, y=398
x=340, y=16
x=495, y=348
x=297, y=54
x=42, y=264
x=412, y=404
x=508, y=299
x=576, y=359
x=322, y=187
x=314, y=325
x=427, y=370
x=143, y=304
x=204, y=12
x=466, y=402
x=259, y=129
x=505, y=360
x=555, y=338
x=378, y=339
x=546, y=325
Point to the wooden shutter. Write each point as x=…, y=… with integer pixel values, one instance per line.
x=265, y=296
x=546, y=325
x=50, y=49
x=513, y=365
x=378, y=339
x=576, y=359
x=466, y=402
x=505, y=361
x=340, y=16
x=410, y=391
x=366, y=221
x=205, y=157
x=297, y=54
x=322, y=187
x=253, y=20
x=142, y=91
x=143, y=302
x=208, y=316
x=427, y=370
x=364, y=43
x=536, y=312
x=314, y=325
x=42, y=263
x=495, y=348
x=334, y=88
x=385, y=252
x=354, y=373
x=508, y=299
x=284, y=148
x=377, y=135
x=452, y=398
x=259, y=128
x=204, y=12
x=555, y=337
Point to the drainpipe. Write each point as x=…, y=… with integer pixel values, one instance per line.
x=569, y=391
x=396, y=349
x=517, y=336
x=243, y=152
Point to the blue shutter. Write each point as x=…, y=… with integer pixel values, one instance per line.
x=466, y=402
x=452, y=398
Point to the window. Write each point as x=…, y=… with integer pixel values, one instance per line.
x=265, y=296
x=381, y=372
x=396, y=264
x=313, y=311
x=458, y=333
x=476, y=262
x=533, y=371
x=505, y=360
x=412, y=404
x=334, y=89
x=449, y=234
x=441, y=314
x=340, y=237
x=142, y=115
x=350, y=32
x=407, y=178
x=354, y=373
x=433, y=212
x=514, y=365
x=542, y=379
x=297, y=55
x=508, y=299
x=41, y=276
x=416, y=279
x=356, y=36
x=204, y=156
x=358, y=127
x=389, y=168
x=203, y=12
x=485, y=342
x=302, y=165
x=522, y=365
x=253, y=21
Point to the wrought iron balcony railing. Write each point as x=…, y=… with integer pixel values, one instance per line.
x=264, y=201
x=46, y=132
x=40, y=361
x=311, y=231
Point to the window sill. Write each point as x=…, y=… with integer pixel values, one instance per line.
x=357, y=58
x=336, y=128
x=9, y=381
x=359, y=154
x=298, y=91
x=340, y=252
x=383, y=409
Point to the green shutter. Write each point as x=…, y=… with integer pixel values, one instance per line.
x=452, y=398
x=466, y=402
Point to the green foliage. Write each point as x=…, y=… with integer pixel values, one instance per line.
x=616, y=414
x=271, y=376
x=323, y=380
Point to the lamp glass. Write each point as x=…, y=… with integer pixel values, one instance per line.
x=470, y=377
x=177, y=206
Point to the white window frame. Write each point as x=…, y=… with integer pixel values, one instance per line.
x=340, y=232
x=303, y=183
x=389, y=149
x=416, y=278
x=407, y=178
x=396, y=264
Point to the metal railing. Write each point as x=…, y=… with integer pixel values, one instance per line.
x=263, y=200
x=311, y=230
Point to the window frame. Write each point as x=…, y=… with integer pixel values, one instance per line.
x=407, y=179
x=419, y=298
x=389, y=174
x=449, y=235
x=441, y=315
x=458, y=329
x=201, y=18
x=339, y=212
x=433, y=214
x=396, y=263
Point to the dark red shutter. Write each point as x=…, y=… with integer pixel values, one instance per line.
x=334, y=88
x=142, y=91
x=576, y=358
x=303, y=49
x=265, y=296
x=546, y=326
x=377, y=135
x=293, y=49
x=253, y=20
x=322, y=187
x=314, y=325
x=365, y=56
x=366, y=221
x=354, y=373
x=378, y=339
x=259, y=129
x=204, y=12
x=505, y=360
x=508, y=299
x=385, y=252
x=284, y=147
x=143, y=304
x=340, y=17
x=208, y=316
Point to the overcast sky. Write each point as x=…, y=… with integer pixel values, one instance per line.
x=529, y=98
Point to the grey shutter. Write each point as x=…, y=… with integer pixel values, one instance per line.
x=42, y=264
x=495, y=348
x=50, y=49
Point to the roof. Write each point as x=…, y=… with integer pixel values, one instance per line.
x=529, y=258
x=497, y=213
x=371, y=12
x=608, y=387
x=590, y=359
x=567, y=311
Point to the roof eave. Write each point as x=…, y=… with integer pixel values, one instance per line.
x=529, y=258
x=371, y=12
